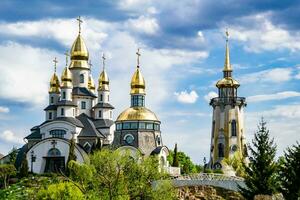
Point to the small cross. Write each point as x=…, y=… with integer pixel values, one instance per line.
x=79, y=23
x=103, y=60
x=227, y=34
x=55, y=62
x=67, y=57
x=53, y=143
x=138, y=57
x=90, y=64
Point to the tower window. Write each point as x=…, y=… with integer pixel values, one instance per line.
x=73, y=112
x=52, y=100
x=62, y=111
x=137, y=100
x=58, y=133
x=101, y=97
x=107, y=97
x=233, y=128
x=81, y=77
x=213, y=129
x=50, y=115
x=64, y=95
x=100, y=114
x=221, y=150
x=110, y=114
x=83, y=105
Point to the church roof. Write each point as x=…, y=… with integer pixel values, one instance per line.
x=103, y=105
x=82, y=91
x=103, y=123
x=51, y=107
x=65, y=103
x=89, y=129
x=71, y=120
x=35, y=134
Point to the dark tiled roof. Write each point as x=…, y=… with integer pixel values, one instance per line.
x=103, y=105
x=156, y=150
x=65, y=103
x=82, y=91
x=71, y=120
x=51, y=107
x=35, y=134
x=89, y=129
x=103, y=123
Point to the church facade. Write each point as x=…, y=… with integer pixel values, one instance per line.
x=227, y=136
x=75, y=111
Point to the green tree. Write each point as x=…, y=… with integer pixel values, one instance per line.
x=13, y=156
x=24, y=167
x=260, y=174
x=72, y=155
x=185, y=163
x=7, y=170
x=63, y=191
x=289, y=173
x=237, y=162
x=175, y=157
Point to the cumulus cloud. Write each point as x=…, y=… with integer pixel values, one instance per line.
x=143, y=24
x=11, y=137
x=4, y=109
x=276, y=96
x=210, y=95
x=185, y=97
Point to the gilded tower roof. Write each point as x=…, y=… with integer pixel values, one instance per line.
x=137, y=114
x=66, y=78
x=103, y=81
x=137, y=83
x=54, y=84
x=91, y=84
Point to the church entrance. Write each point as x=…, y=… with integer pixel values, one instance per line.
x=55, y=163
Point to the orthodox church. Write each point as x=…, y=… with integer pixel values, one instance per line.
x=227, y=136
x=76, y=112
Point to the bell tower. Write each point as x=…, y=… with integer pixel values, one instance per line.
x=227, y=135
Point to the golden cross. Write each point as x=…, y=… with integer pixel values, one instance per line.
x=67, y=57
x=55, y=62
x=138, y=57
x=227, y=34
x=79, y=23
x=103, y=60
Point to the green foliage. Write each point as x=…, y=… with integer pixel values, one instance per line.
x=175, y=157
x=7, y=170
x=185, y=163
x=236, y=161
x=13, y=156
x=260, y=174
x=24, y=167
x=63, y=191
x=72, y=155
x=289, y=172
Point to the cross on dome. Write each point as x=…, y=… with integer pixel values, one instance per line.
x=103, y=60
x=90, y=64
x=67, y=57
x=138, y=57
x=55, y=62
x=79, y=23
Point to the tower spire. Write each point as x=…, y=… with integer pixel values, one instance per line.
x=79, y=23
x=55, y=62
x=227, y=66
x=138, y=57
x=103, y=61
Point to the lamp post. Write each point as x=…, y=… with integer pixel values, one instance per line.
x=204, y=164
x=32, y=160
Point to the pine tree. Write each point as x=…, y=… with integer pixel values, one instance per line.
x=260, y=174
x=289, y=173
x=24, y=167
x=98, y=144
x=72, y=155
x=175, y=157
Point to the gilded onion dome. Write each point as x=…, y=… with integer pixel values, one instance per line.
x=137, y=83
x=54, y=84
x=91, y=84
x=227, y=82
x=66, y=78
x=137, y=114
x=103, y=82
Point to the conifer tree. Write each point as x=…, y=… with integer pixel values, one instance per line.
x=24, y=167
x=260, y=174
x=289, y=173
x=175, y=157
x=98, y=144
x=72, y=155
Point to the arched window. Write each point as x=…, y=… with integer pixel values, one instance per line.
x=64, y=95
x=62, y=112
x=81, y=77
x=233, y=128
x=58, y=133
x=52, y=100
x=101, y=97
x=54, y=152
x=221, y=150
x=50, y=115
x=100, y=114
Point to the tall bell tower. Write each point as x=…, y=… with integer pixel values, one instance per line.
x=227, y=135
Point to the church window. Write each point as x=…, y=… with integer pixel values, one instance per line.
x=213, y=129
x=62, y=111
x=52, y=100
x=233, y=148
x=158, y=140
x=156, y=127
x=126, y=125
x=133, y=125
x=149, y=126
x=221, y=150
x=110, y=114
x=87, y=147
x=83, y=105
x=233, y=128
x=137, y=100
x=54, y=152
x=129, y=138
x=107, y=97
x=81, y=77
x=119, y=126
x=64, y=95
x=50, y=115
x=101, y=97
x=100, y=113
x=73, y=112
x=142, y=125
x=58, y=133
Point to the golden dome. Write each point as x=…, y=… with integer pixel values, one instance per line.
x=137, y=83
x=227, y=82
x=79, y=54
x=103, y=82
x=137, y=113
x=91, y=84
x=54, y=84
x=66, y=78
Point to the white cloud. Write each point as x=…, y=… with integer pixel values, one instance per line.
x=185, y=97
x=143, y=24
x=11, y=137
x=275, y=75
x=210, y=95
x=276, y=96
x=4, y=109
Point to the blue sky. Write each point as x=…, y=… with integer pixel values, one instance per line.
x=182, y=46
